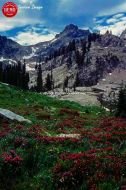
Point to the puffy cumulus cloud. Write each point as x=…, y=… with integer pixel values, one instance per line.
x=9, y=24
x=111, y=20
x=40, y=28
x=115, y=18
x=115, y=23
x=98, y=20
x=31, y=36
x=120, y=15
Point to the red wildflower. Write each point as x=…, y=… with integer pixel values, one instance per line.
x=12, y=158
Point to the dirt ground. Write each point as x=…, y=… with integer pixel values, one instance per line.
x=82, y=98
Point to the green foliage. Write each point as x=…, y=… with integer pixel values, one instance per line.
x=108, y=186
x=48, y=84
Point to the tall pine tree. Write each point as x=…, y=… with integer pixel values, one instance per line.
x=48, y=84
x=121, y=106
x=39, y=87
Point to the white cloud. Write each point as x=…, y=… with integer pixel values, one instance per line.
x=116, y=23
x=99, y=21
x=116, y=18
x=116, y=28
x=118, y=15
x=111, y=20
x=8, y=24
x=31, y=37
x=123, y=18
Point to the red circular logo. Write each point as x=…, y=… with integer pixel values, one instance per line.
x=9, y=9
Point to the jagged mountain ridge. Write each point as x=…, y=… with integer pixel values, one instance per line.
x=11, y=49
x=103, y=55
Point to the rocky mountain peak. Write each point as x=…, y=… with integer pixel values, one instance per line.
x=72, y=31
x=70, y=27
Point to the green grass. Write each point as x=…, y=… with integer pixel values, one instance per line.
x=12, y=97
x=30, y=104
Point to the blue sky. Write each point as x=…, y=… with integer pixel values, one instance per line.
x=31, y=26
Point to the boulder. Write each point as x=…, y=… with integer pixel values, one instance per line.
x=77, y=136
x=12, y=116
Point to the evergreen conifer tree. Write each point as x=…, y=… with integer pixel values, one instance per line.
x=121, y=105
x=48, y=84
x=39, y=79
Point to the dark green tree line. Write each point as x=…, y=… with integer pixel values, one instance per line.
x=14, y=74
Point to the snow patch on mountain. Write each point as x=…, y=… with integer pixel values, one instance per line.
x=32, y=54
x=53, y=40
x=10, y=61
x=30, y=66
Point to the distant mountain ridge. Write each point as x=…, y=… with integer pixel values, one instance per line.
x=72, y=52
x=11, y=49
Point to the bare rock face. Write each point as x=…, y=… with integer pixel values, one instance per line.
x=12, y=116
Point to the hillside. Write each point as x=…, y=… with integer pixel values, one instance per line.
x=66, y=146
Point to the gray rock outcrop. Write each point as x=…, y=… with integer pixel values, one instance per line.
x=4, y=113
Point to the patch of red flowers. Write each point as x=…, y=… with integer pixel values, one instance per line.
x=66, y=111
x=5, y=129
x=101, y=163
x=91, y=167
x=20, y=142
x=35, y=130
x=71, y=123
x=12, y=158
x=48, y=139
x=19, y=127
